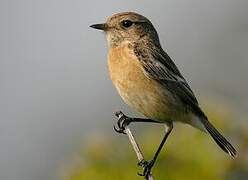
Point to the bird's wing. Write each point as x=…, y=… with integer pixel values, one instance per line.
x=158, y=65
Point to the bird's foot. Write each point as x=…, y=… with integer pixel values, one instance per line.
x=122, y=122
x=147, y=166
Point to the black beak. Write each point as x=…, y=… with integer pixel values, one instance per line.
x=99, y=26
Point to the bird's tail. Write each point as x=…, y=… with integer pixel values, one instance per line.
x=218, y=138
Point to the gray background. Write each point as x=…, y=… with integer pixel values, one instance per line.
x=54, y=85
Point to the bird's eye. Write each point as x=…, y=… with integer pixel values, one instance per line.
x=127, y=23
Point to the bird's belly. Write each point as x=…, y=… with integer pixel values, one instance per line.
x=137, y=90
x=150, y=103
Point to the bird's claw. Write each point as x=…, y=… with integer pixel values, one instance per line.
x=119, y=130
x=147, y=166
x=122, y=122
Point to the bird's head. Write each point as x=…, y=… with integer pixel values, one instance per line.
x=127, y=26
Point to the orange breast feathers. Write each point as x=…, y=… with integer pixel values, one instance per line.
x=125, y=69
x=137, y=90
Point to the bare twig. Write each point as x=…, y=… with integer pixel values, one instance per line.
x=137, y=150
x=123, y=128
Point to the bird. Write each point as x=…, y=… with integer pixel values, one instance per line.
x=148, y=80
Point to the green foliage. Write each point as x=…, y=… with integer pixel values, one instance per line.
x=188, y=154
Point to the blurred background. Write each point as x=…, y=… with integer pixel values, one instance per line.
x=57, y=102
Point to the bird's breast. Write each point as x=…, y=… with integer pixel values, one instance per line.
x=137, y=90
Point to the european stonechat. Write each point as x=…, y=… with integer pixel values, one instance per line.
x=148, y=80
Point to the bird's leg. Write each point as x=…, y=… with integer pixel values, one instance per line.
x=148, y=165
x=124, y=121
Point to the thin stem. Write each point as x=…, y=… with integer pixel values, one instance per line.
x=134, y=144
x=137, y=149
